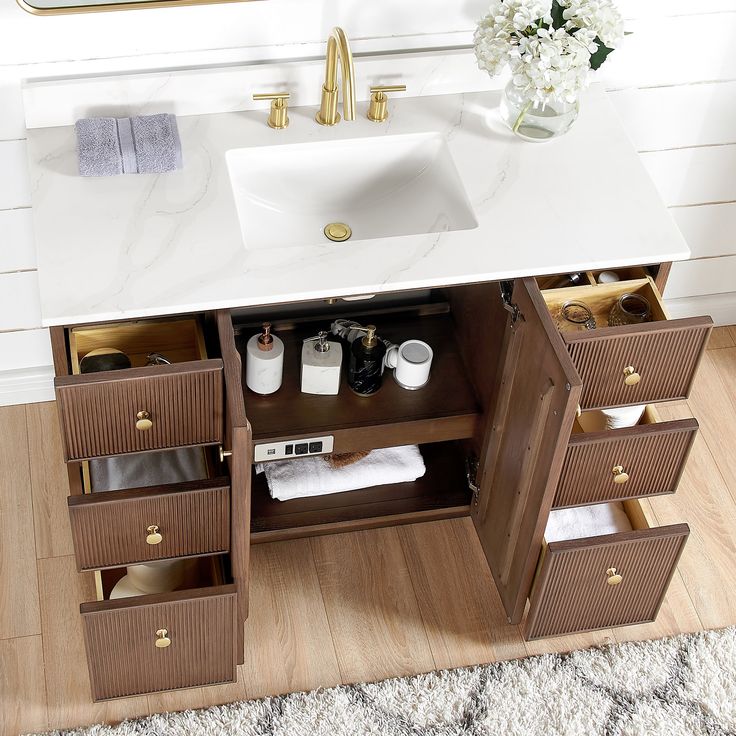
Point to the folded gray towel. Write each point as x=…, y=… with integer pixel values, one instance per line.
x=146, y=144
x=127, y=148
x=99, y=147
x=157, y=144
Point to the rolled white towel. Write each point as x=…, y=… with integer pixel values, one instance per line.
x=587, y=521
x=314, y=476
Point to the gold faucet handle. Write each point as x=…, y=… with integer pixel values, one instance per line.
x=278, y=117
x=378, y=109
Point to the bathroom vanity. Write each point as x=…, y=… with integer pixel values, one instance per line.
x=188, y=265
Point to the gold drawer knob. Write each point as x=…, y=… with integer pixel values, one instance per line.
x=143, y=421
x=631, y=377
x=154, y=536
x=620, y=476
x=162, y=639
x=614, y=578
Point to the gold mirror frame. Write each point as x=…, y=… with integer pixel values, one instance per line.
x=142, y=5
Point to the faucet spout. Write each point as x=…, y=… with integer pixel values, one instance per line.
x=338, y=50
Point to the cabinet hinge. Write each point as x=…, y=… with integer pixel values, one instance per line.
x=471, y=475
x=507, y=291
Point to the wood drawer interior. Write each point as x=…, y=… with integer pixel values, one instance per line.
x=600, y=298
x=177, y=340
x=198, y=572
x=108, y=475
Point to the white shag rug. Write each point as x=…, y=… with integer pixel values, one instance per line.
x=680, y=686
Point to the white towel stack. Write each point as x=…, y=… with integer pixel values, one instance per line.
x=314, y=476
x=587, y=521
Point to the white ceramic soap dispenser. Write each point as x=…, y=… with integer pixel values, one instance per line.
x=321, y=365
x=264, y=362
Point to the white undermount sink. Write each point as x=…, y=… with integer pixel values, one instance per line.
x=380, y=187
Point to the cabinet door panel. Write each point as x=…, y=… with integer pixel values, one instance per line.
x=524, y=446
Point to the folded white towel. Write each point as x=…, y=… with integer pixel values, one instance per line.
x=144, y=469
x=600, y=420
x=314, y=476
x=587, y=521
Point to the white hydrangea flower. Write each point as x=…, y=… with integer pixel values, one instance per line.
x=546, y=64
x=599, y=16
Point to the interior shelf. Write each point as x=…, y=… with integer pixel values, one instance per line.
x=442, y=492
x=446, y=408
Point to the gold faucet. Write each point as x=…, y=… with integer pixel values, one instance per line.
x=337, y=48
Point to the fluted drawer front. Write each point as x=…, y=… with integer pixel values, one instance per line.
x=99, y=412
x=121, y=642
x=112, y=528
x=652, y=456
x=572, y=592
x=664, y=354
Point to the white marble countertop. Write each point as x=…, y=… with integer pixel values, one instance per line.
x=136, y=246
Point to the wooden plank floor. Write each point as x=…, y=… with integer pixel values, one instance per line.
x=338, y=609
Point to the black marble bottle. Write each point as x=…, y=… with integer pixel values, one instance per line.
x=365, y=370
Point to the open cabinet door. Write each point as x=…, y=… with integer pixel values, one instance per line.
x=524, y=445
x=237, y=440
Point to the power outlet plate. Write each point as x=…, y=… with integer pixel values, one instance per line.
x=289, y=449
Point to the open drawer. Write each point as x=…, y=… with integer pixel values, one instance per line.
x=150, y=517
x=145, y=407
x=631, y=364
x=162, y=641
x=609, y=465
x=596, y=582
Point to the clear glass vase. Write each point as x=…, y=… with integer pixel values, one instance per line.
x=533, y=121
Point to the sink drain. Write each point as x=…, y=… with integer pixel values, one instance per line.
x=338, y=232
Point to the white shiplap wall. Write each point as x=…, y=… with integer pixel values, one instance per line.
x=674, y=86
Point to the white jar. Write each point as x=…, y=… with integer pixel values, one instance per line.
x=264, y=362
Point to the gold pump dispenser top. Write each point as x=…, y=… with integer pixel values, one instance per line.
x=265, y=339
x=370, y=340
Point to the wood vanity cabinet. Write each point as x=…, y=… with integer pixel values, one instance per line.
x=498, y=426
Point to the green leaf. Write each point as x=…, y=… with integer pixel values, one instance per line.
x=557, y=20
x=597, y=59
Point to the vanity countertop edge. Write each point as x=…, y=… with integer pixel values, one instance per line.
x=129, y=247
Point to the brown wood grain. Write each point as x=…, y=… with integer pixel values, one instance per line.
x=110, y=528
x=525, y=446
x=289, y=412
x=462, y=612
x=442, y=486
x=22, y=686
x=98, y=410
x=120, y=640
x=373, y=613
x=49, y=481
x=19, y=611
x=288, y=644
x=239, y=441
x=572, y=593
x=653, y=455
x=65, y=664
